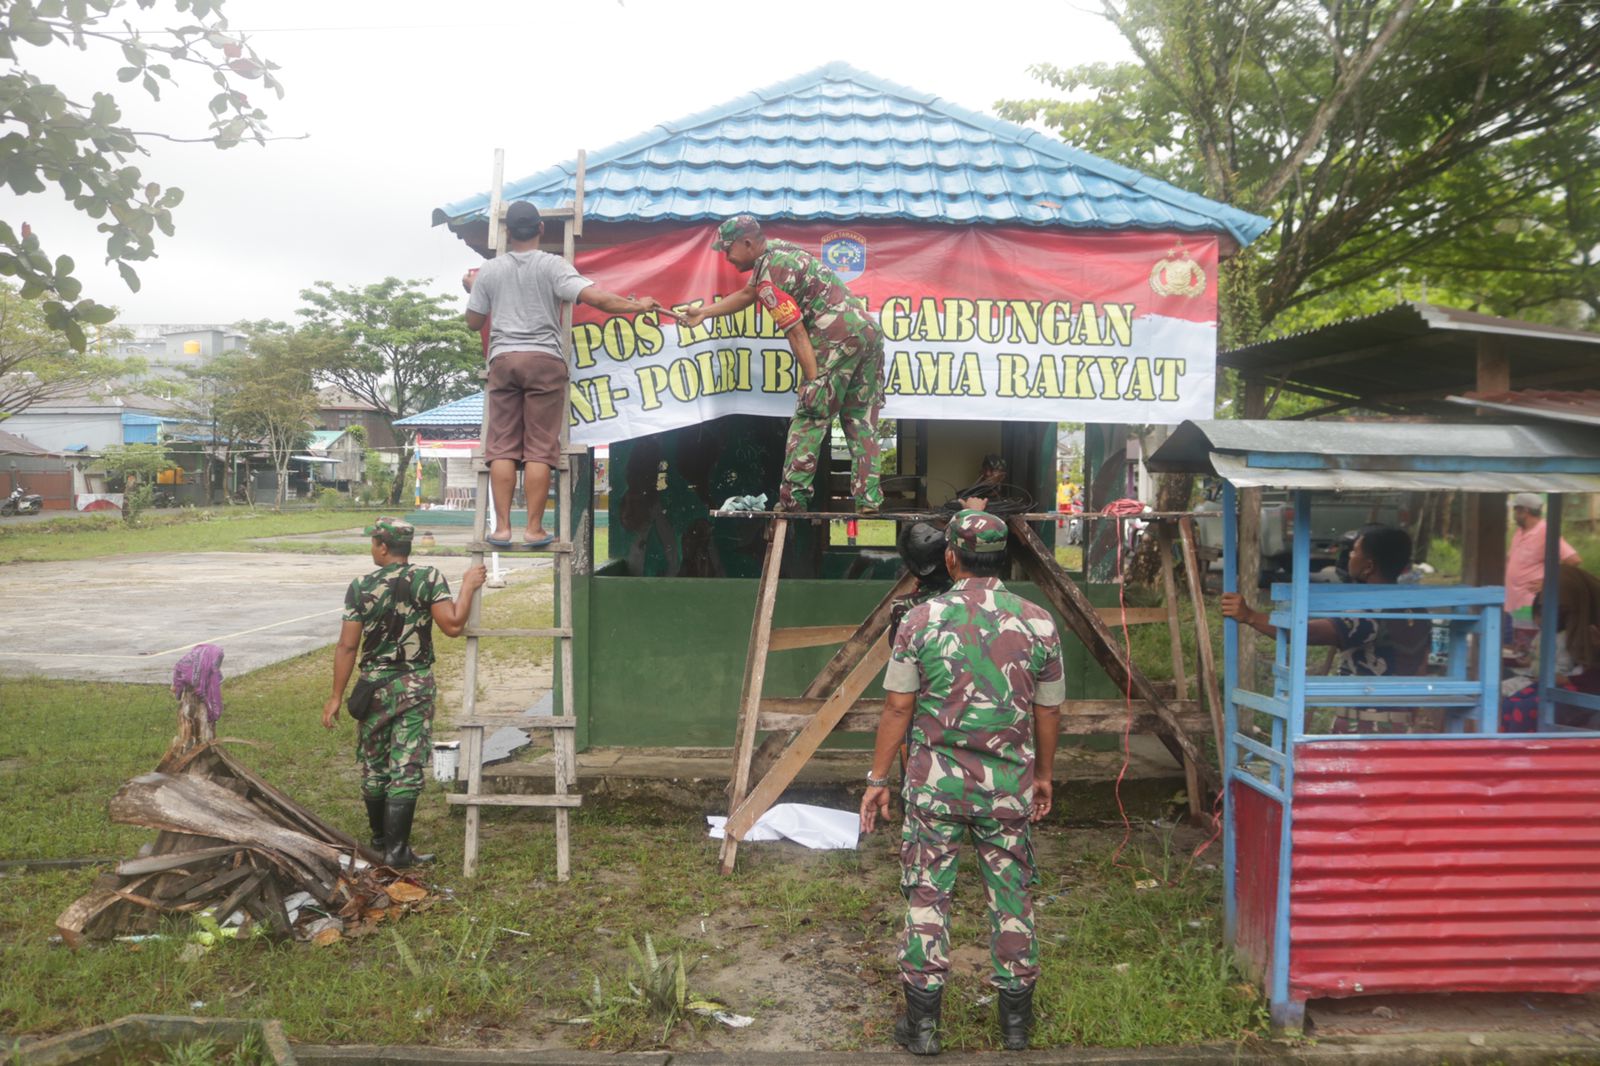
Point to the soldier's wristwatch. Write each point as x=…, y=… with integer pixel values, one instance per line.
x=876, y=782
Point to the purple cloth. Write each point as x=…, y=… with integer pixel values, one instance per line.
x=201, y=671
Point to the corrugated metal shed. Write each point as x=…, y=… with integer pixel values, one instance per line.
x=467, y=411
x=1425, y=866
x=1370, y=455
x=839, y=143
x=1414, y=355
x=11, y=444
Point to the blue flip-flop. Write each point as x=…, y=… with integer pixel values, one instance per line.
x=501, y=545
x=535, y=545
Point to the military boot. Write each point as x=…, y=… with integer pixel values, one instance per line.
x=375, y=805
x=917, y=1030
x=1016, y=1018
x=397, y=815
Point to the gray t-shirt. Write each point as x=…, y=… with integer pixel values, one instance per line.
x=522, y=293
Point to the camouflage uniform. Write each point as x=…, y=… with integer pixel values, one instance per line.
x=979, y=658
x=793, y=286
x=394, y=605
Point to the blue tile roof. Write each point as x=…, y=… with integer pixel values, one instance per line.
x=840, y=144
x=467, y=411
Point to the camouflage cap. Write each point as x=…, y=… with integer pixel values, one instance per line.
x=976, y=531
x=736, y=228
x=392, y=531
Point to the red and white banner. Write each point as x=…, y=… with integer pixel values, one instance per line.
x=979, y=323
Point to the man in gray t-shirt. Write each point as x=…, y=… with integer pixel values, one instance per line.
x=520, y=295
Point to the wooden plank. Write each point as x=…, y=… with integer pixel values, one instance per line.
x=755, y=675
x=810, y=636
x=564, y=742
x=558, y=632
x=514, y=799
x=1169, y=583
x=1117, y=617
x=1078, y=717
x=158, y=863
x=1084, y=621
x=807, y=741
x=520, y=721
x=1210, y=682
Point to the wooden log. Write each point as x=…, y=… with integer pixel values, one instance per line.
x=158, y=863
x=1210, y=681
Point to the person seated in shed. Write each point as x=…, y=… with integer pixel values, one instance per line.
x=1367, y=647
x=1577, y=665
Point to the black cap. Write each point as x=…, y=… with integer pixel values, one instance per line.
x=522, y=220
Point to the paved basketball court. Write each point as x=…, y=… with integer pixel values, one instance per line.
x=131, y=617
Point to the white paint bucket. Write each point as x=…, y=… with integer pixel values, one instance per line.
x=446, y=759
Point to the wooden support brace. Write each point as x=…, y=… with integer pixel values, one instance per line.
x=1210, y=685
x=806, y=743
x=755, y=675
x=1084, y=621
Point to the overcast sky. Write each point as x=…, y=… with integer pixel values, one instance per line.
x=404, y=102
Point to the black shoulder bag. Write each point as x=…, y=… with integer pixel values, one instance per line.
x=363, y=695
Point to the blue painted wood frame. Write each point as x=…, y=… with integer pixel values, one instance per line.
x=1286, y=1013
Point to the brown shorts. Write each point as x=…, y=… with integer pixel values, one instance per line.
x=527, y=401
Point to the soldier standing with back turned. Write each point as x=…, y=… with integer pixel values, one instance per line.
x=389, y=617
x=976, y=675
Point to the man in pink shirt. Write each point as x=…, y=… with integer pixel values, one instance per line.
x=1525, y=564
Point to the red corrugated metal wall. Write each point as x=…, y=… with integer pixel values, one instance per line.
x=1257, y=821
x=1467, y=865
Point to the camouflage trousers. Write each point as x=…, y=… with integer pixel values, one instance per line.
x=392, y=744
x=849, y=385
x=929, y=848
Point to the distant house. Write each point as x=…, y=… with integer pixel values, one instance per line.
x=338, y=409
x=169, y=350
x=36, y=469
x=337, y=458
x=92, y=421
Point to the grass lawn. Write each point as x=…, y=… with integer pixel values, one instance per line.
x=801, y=941
x=224, y=529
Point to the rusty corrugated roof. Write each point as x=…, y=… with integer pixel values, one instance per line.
x=1581, y=406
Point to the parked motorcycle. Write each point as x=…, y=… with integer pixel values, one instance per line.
x=20, y=502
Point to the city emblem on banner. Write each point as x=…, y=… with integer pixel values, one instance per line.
x=1178, y=275
x=845, y=252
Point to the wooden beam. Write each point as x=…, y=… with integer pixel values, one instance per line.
x=811, y=636
x=1079, y=718
x=1210, y=684
x=755, y=674
x=1085, y=623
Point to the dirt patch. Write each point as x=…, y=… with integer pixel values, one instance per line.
x=1457, y=1013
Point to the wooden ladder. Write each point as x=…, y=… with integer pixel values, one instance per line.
x=562, y=723
x=761, y=774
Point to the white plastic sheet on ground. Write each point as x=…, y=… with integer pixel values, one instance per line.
x=821, y=828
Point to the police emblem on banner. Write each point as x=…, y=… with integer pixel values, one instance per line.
x=1178, y=275
x=845, y=252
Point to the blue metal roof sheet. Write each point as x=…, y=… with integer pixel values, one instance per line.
x=467, y=411
x=838, y=143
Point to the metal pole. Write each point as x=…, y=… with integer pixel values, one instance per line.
x=1230, y=725
x=1548, y=620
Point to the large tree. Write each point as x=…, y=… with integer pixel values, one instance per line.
x=36, y=363
x=82, y=147
x=404, y=350
x=1391, y=142
x=267, y=393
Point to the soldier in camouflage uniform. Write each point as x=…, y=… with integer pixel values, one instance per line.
x=389, y=617
x=977, y=676
x=837, y=344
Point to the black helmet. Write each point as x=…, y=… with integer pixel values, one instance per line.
x=922, y=547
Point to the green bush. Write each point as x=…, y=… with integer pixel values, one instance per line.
x=329, y=498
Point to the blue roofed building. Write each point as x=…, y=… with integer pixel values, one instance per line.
x=841, y=151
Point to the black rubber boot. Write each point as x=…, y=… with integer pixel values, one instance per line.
x=397, y=815
x=1016, y=1018
x=917, y=1030
x=375, y=805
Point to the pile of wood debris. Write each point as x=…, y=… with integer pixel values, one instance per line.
x=232, y=845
